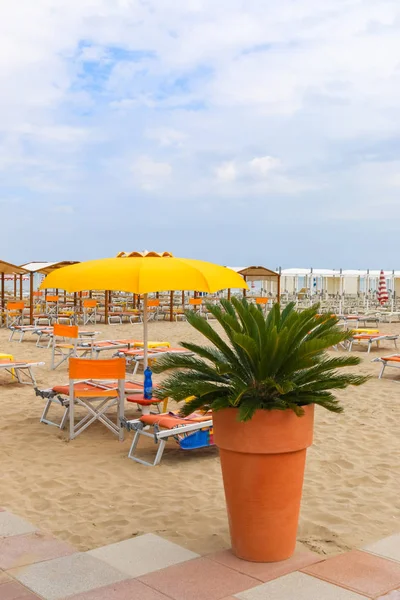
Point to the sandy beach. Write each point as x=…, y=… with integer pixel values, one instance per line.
x=89, y=493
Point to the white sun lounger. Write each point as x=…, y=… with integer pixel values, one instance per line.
x=22, y=370
x=372, y=338
x=190, y=433
x=388, y=361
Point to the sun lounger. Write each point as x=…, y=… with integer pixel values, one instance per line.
x=21, y=370
x=190, y=433
x=355, y=320
x=388, y=361
x=59, y=395
x=371, y=338
x=135, y=356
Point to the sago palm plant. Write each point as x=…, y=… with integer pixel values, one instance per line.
x=273, y=362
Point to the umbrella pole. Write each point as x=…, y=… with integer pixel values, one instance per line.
x=145, y=332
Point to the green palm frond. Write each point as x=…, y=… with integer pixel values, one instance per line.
x=278, y=361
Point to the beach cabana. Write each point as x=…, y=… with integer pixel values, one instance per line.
x=313, y=281
x=42, y=268
x=7, y=269
x=250, y=274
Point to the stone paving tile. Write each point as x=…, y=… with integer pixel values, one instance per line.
x=298, y=586
x=265, y=571
x=66, y=576
x=15, y=591
x=395, y=595
x=130, y=589
x=388, y=547
x=19, y=550
x=12, y=525
x=143, y=554
x=199, y=579
x=4, y=577
x=359, y=571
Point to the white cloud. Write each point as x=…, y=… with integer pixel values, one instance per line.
x=167, y=137
x=226, y=172
x=63, y=209
x=263, y=165
x=150, y=174
x=193, y=98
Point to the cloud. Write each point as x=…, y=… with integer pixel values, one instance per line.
x=63, y=209
x=150, y=174
x=263, y=165
x=167, y=137
x=226, y=172
x=196, y=105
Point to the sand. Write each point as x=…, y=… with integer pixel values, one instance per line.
x=89, y=493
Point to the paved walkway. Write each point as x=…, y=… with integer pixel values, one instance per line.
x=34, y=566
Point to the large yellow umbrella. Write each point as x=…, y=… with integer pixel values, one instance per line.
x=143, y=273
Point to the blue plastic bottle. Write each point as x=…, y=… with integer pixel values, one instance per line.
x=148, y=384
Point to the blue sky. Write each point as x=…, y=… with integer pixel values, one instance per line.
x=242, y=132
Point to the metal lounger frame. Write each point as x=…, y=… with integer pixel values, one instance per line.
x=160, y=437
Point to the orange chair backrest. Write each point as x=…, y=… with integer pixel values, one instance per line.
x=262, y=300
x=195, y=301
x=68, y=331
x=90, y=303
x=155, y=302
x=52, y=298
x=87, y=368
x=15, y=305
x=37, y=294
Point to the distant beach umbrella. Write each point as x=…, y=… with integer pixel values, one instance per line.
x=383, y=295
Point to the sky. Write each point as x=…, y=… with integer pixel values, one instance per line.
x=239, y=131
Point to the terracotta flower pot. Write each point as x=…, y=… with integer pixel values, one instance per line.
x=263, y=464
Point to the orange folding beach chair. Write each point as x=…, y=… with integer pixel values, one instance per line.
x=14, y=313
x=66, y=344
x=96, y=402
x=59, y=395
x=89, y=311
x=51, y=306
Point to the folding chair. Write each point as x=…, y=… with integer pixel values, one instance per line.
x=89, y=311
x=14, y=313
x=196, y=303
x=70, y=345
x=59, y=395
x=51, y=306
x=97, y=401
x=263, y=302
x=153, y=306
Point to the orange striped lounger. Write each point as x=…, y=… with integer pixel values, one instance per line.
x=136, y=355
x=388, y=361
x=192, y=432
x=371, y=338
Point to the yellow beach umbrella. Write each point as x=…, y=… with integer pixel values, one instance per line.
x=142, y=273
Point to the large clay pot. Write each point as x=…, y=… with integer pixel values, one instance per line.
x=262, y=463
